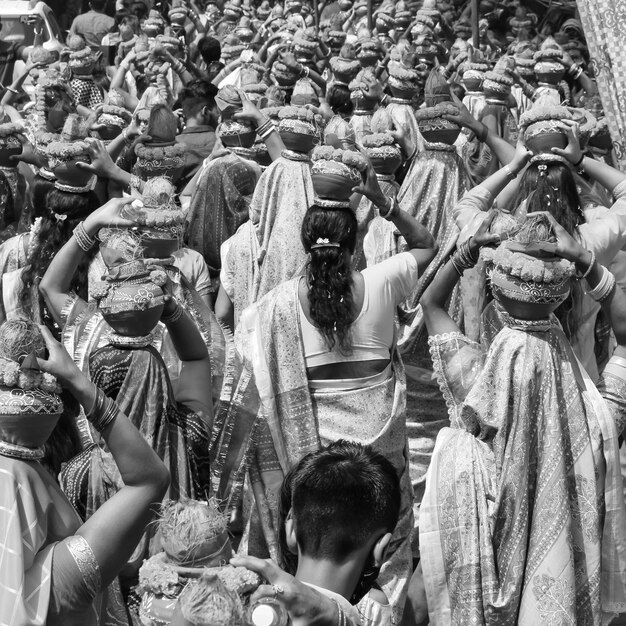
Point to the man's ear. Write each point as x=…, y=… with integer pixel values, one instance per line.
x=290, y=534
x=380, y=548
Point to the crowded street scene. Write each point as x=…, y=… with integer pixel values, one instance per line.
x=312, y=313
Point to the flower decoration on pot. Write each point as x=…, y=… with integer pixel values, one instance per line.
x=339, y=134
x=345, y=67
x=305, y=43
x=284, y=76
x=244, y=30
x=178, y=15
x=334, y=173
x=540, y=126
x=549, y=64
x=254, y=91
x=232, y=11
x=434, y=127
x=169, y=42
x=496, y=85
x=113, y=116
x=403, y=82
x=196, y=544
x=429, y=9
x=236, y=134
x=385, y=21
x=600, y=138
x=82, y=59
x=525, y=64
x=336, y=37
x=384, y=153
x=232, y=47
x=298, y=129
x=10, y=141
x=158, y=217
x=436, y=89
x=64, y=154
x=402, y=17
x=154, y=24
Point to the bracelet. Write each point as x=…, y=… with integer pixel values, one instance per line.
x=384, y=101
x=103, y=412
x=176, y=314
x=125, y=137
x=510, y=174
x=604, y=288
x=342, y=620
x=588, y=271
x=444, y=72
x=389, y=207
x=263, y=129
x=578, y=73
x=39, y=32
x=125, y=65
x=12, y=90
x=85, y=241
x=464, y=259
x=577, y=164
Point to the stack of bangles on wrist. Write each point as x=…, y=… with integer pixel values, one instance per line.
x=464, y=259
x=104, y=411
x=605, y=286
x=85, y=242
x=265, y=129
x=388, y=210
x=174, y=316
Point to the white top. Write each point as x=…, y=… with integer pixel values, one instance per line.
x=386, y=285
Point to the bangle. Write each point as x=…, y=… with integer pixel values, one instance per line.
x=174, y=316
x=125, y=137
x=264, y=128
x=39, y=32
x=125, y=65
x=577, y=164
x=604, y=288
x=464, y=259
x=578, y=73
x=342, y=620
x=104, y=411
x=384, y=100
x=510, y=174
x=589, y=268
x=387, y=211
x=12, y=90
x=482, y=134
x=444, y=72
x=85, y=242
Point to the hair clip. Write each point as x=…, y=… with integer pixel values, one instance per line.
x=59, y=217
x=542, y=167
x=324, y=243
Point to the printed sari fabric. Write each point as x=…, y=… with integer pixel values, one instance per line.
x=523, y=517
x=269, y=392
x=220, y=204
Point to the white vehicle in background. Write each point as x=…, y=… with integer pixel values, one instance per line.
x=18, y=18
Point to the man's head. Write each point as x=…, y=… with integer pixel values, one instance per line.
x=340, y=501
x=210, y=49
x=97, y=5
x=198, y=101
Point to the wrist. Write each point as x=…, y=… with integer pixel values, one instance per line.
x=583, y=259
x=92, y=225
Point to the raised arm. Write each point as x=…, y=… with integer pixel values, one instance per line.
x=114, y=530
x=421, y=243
x=263, y=125
x=55, y=284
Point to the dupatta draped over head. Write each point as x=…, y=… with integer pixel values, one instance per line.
x=523, y=516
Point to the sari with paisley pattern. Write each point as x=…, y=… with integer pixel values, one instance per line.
x=284, y=420
x=523, y=519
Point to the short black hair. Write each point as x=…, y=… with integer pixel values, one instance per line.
x=339, y=497
x=338, y=98
x=196, y=95
x=98, y=5
x=210, y=49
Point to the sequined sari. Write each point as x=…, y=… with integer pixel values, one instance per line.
x=523, y=517
x=270, y=393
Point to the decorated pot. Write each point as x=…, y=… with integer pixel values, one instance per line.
x=132, y=308
x=399, y=89
x=213, y=552
x=439, y=130
x=10, y=145
x=29, y=429
x=236, y=134
x=160, y=159
x=385, y=159
x=297, y=134
x=542, y=136
x=157, y=245
x=156, y=609
x=68, y=173
x=550, y=72
x=473, y=80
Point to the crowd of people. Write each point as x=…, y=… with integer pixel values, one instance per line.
x=311, y=313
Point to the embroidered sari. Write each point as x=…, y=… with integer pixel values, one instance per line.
x=270, y=404
x=523, y=517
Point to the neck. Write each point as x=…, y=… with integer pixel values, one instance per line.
x=194, y=122
x=340, y=578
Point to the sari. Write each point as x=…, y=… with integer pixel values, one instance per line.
x=35, y=517
x=523, y=517
x=285, y=420
x=220, y=204
x=266, y=250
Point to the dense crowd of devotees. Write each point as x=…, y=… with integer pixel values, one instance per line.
x=311, y=314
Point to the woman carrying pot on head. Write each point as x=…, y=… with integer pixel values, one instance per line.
x=317, y=352
x=55, y=568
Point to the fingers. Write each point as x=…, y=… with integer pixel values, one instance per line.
x=560, y=152
x=86, y=166
x=48, y=337
x=263, y=591
x=263, y=567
